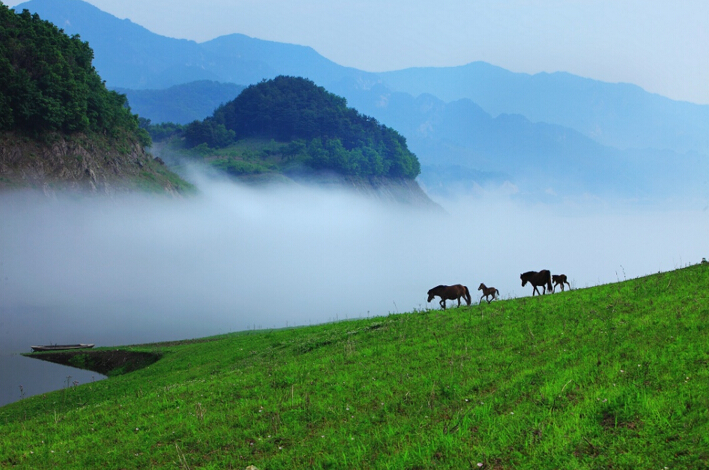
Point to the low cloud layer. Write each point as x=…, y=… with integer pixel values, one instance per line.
x=138, y=269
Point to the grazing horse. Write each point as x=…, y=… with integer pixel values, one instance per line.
x=559, y=280
x=488, y=291
x=450, y=293
x=541, y=278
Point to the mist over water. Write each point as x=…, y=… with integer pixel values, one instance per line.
x=143, y=269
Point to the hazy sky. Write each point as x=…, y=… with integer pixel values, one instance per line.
x=659, y=45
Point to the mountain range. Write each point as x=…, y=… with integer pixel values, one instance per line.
x=182, y=103
x=471, y=126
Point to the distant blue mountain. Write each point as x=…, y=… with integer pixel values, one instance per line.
x=479, y=121
x=183, y=103
x=620, y=115
x=459, y=141
x=229, y=53
x=126, y=54
x=130, y=56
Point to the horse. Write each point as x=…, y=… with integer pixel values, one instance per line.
x=488, y=291
x=450, y=293
x=559, y=280
x=541, y=278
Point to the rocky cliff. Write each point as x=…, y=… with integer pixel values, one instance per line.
x=400, y=190
x=82, y=164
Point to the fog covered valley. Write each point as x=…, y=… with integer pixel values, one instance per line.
x=140, y=269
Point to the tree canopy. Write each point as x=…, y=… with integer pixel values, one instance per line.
x=321, y=129
x=48, y=82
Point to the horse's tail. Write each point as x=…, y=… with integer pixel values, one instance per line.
x=467, y=295
x=549, y=286
x=498, y=293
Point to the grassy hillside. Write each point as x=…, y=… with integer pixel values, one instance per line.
x=613, y=376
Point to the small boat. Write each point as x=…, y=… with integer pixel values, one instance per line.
x=62, y=347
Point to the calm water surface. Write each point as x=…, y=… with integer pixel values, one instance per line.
x=36, y=377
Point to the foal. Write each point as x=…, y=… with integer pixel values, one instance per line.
x=559, y=280
x=488, y=291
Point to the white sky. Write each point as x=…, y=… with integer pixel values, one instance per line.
x=659, y=45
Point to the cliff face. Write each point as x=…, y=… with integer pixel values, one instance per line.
x=398, y=190
x=82, y=164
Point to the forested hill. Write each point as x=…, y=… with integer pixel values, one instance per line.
x=321, y=131
x=58, y=121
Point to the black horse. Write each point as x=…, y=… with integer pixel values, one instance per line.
x=450, y=293
x=559, y=280
x=541, y=278
x=488, y=291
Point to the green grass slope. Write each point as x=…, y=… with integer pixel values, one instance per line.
x=614, y=376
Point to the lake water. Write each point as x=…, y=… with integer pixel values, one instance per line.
x=138, y=270
x=36, y=377
x=24, y=325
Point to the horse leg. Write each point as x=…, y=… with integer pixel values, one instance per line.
x=443, y=303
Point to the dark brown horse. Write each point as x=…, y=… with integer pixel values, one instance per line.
x=488, y=291
x=559, y=280
x=450, y=293
x=541, y=278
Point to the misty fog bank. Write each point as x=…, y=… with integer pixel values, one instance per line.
x=141, y=269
